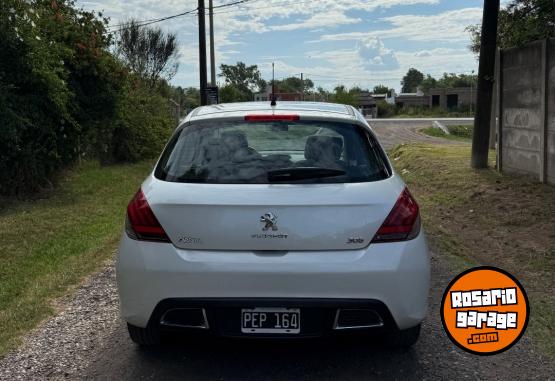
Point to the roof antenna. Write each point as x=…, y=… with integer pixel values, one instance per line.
x=273, y=96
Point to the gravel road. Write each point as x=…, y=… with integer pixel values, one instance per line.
x=391, y=135
x=87, y=340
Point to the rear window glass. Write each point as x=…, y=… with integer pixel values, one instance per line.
x=272, y=152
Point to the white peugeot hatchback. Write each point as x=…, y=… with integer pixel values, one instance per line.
x=273, y=221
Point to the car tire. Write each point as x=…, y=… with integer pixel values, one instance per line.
x=402, y=338
x=145, y=337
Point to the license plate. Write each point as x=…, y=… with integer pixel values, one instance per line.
x=271, y=320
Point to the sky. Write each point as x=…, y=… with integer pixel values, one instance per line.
x=352, y=42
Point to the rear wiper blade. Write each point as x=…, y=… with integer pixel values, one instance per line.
x=303, y=173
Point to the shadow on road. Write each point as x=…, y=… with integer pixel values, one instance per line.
x=310, y=359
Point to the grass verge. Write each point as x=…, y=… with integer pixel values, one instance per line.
x=483, y=217
x=458, y=133
x=50, y=244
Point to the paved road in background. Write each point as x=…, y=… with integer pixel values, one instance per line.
x=392, y=132
x=87, y=340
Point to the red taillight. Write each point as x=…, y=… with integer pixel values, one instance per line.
x=141, y=223
x=272, y=118
x=402, y=223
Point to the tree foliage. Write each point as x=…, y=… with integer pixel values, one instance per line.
x=142, y=127
x=344, y=96
x=294, y=85
x=62, y=93
x=411, y=81
x=148, y=52
x=381, y=89
x=246, y=80
x=230, y=94
x=448, y=80
x=520, y=22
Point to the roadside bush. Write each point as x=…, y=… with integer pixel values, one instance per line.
x=64, y=95
x=386, y=110
x=461, y=131
x=144, y=123
x=38, y=133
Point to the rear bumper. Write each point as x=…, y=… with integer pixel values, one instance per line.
x=318, y=316
x=395, y=275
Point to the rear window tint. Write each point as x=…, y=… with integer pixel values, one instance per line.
x=272, y=152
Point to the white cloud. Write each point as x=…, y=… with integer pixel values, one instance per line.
x=447, y=26
x=438, y=61
x=327, y=19
x=375, y=55
x=364, y=62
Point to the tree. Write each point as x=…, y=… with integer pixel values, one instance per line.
x=521, y=22
x=294, y=85
x=191, y=98
x=245, y=79
x=411, y=81
x=381, y=89
x=457, y=80
x=64, y=95
x=148, y=52
x=322, y=95
x=341, y=95
x=59, y=88
x=230, y=94
x=449, y=80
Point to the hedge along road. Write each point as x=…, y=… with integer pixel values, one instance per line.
x=88, y=340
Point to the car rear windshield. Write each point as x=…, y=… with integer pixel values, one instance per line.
x=296, y=152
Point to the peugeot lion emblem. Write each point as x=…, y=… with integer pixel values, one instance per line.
x=270, y=221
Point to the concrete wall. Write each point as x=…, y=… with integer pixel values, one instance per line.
x=465, y=95
x=412, y=100
x=527, y=108
x=550, y=138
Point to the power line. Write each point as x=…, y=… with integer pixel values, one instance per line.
x=233, y=3
x=274, y=5
x=142, y=23
x=154, y=21
x=238, y=2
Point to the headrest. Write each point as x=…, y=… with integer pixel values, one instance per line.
x=234, y=139
x=211, y=149
x=323, y=148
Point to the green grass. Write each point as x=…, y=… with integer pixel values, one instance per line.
x=458, y=133
x=483, y=217
x=48, y=245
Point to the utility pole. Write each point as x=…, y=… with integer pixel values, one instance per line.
x=212, y=53
x=202, y=52
x=471, y=93
x=273, y=96
x=302, y=87
x=488, y=48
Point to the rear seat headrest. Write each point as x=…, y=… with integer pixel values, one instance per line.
x=235, y=139
x=319, y=147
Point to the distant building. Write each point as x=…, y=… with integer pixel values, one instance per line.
x=367, y=104
x=451, y=98
x=418, y=99
x=265, y=96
